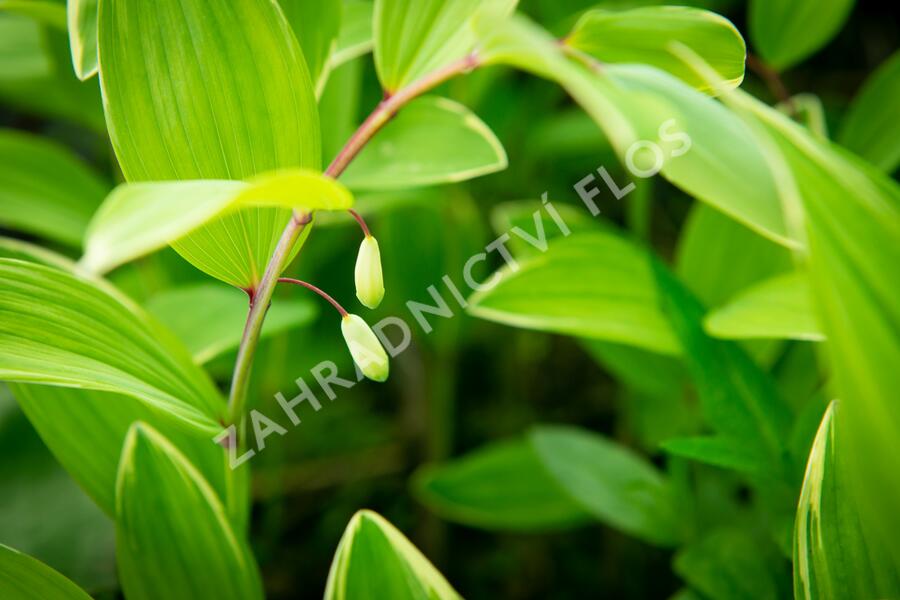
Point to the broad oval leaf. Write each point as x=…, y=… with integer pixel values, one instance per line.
x=431, y=141
x=872, y=125
x=138, y=218
x=502, y=486
x=173, y=537
x=416, y=37
x=215, y=90
x=45, y=189
x=611, y=483
x=643, y=35
x=60, y=329
x=209, y=318
x=592, y=285
x=25, y=578
x=785, y=33
x=778, y=308
x=375, y=560
x=82, y=25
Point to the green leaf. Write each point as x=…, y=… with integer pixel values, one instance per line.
x=209, y=318
x=24, y=578
x=82, y=22
x=832, y=556
x=611, y=483
x=138, y=218
x=375, y=560
x=173, y=537
x=355, y=36
x=719, y=451
x=45, y=189
x=316, y=25
x=431, y=141
x=732, y=564
x=416, y=37
x=22, y=50
x=871, y=127
x=643, y=35
x=502, y=487
x=780, y=307
x=202, y=95
x=739, y=400
x=62, y=330
x=593, y=285
x=47, y=12
x=785, y=33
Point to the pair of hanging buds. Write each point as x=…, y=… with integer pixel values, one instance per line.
x=365, y=348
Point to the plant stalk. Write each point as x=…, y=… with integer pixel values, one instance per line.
x=262, y=295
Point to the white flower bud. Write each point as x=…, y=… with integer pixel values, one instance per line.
x=369, y=281
x=367, y=351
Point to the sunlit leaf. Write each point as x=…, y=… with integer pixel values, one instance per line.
x=375, y=560
x=643, y=35
x=186, y=101
x=780, y=307
x=872, y=125
x=82, y=21
x=502, y=486
x=316, y=25
x=432, y=141
x=62, y=330
x=417, y=37
x=173, y=537
x=785, y=33
x=24, y=578
x=45, y=189
x=593, y=285
x=355, y=36
x=209, y=318
x=138, y=218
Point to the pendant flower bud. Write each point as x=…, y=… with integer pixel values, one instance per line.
x=367, y=351
x=369, y=280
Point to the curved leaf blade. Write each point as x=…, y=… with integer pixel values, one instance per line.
x=25, y=578
x=82, y=25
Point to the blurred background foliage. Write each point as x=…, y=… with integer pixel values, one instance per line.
x=468, y=384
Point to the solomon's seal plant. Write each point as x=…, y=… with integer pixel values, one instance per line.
x=738, y=365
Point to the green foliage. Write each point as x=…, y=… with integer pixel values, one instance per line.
x=82, y=25
x=24, y=578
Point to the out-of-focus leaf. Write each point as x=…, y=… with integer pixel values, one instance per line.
x=209, y=318
x=785, y=33
x=502, y=486
x=832, y=556
x=780, y=307
x=173, y=536
x=339, y=107
x=355, y=36
x=732, y=564
x=45, y=189
x=872, y=125
x=375, y=560
x=138, y=218
x=808, y=110
x=643, y=35
x=44, y=513
x=24, y=578
x=61, y=330
x=739, y=400
x=22, y=48
x=611, y=483
x=82, y=22
x=718, y=257
x=316, y=25
x=186, y=101
x=432, y=141
x=21, y=250
x=592, y=285
x=417, y=37
x=530, y=218
x=720, y=451
x=47, y=12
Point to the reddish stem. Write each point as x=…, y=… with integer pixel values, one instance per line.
x=317, y=290
x=361, y=221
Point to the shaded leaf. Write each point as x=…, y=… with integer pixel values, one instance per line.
x=643, y=35
x=45, y=189
x=780, y=307
x=502, y=486
x=173, y=537
x=82, y=25
x=138, y=218
x=355, y=36
x=431, y=141
x=22, y=48
x=375, y=560
x=316, y=25
x=24, y=578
